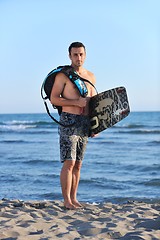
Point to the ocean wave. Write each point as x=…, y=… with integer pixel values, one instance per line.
x=50, y=196
x=155, y=142
x=10, y=179
x=136, y=126
x=130, y=199
x=102, y=183
x=15, y=127
x=44, y=125
x=141, y=131
x=15, y=141
x=26, y=122
x=153, y=182
x=18, y=126
x=38, y=161
x=130, y=126
x=150, y=168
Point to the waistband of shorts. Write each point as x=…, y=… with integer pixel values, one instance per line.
x=75, y=115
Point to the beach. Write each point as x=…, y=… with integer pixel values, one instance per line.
x=25, y=220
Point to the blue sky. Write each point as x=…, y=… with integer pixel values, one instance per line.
x=122, y=38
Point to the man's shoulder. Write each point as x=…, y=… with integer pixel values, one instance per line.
x=61, y=75
x=91, y=76
x=61, y=79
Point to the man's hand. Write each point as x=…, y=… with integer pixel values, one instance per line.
x=81, y=102
x=94, y=135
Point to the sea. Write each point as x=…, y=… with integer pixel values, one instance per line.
x=121, y=164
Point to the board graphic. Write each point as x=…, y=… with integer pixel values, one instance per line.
x=108, y=108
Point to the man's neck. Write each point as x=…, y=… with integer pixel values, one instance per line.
x=80, y=70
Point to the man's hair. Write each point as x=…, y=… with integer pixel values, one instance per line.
x=76, y=45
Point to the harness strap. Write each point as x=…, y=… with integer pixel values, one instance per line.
x=54, y=119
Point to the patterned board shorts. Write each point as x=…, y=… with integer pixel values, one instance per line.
x=73, y=140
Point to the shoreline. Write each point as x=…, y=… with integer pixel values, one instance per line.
x=21, y=220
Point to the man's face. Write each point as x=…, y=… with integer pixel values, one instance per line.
x=77, y=56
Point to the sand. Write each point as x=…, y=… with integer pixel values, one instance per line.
x=49, y=220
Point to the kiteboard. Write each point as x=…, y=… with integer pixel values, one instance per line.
x=108, y=108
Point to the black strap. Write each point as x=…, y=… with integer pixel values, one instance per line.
x=85, y=80
x=47, y=109
x=54, y=119
x=67, y=70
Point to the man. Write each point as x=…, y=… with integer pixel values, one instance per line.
x=75, y=109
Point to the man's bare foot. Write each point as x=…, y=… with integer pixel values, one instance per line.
x=77, y=204
x=70, y=206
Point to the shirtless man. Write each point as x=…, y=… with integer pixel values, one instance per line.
x=73, y=139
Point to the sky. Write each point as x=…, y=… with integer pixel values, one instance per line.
x=122, y=39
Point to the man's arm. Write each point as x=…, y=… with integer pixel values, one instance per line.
x=93, y=81
x=93, y=89
x=93, y=93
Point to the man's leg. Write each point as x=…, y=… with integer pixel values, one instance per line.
x=66, y=182
x=75, y=183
